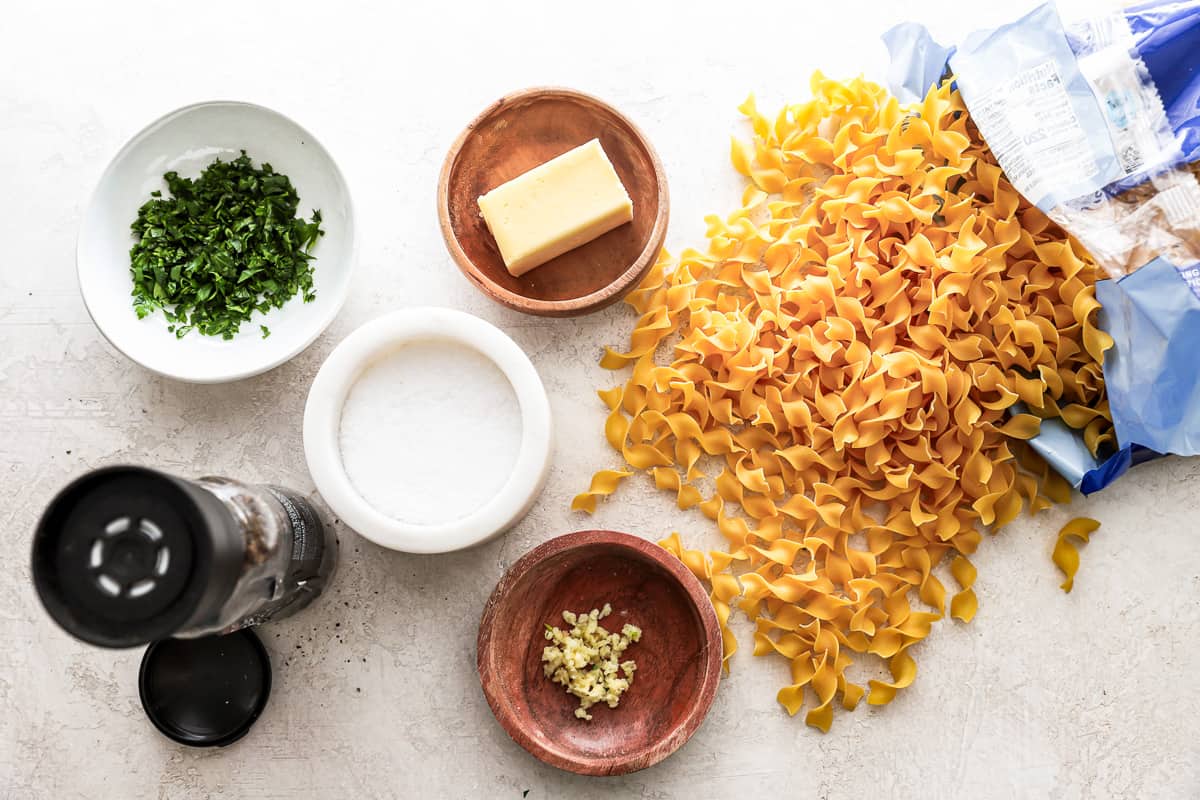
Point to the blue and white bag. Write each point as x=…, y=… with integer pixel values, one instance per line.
x=1095, y=118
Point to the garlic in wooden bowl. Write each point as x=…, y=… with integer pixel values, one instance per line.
x=678, y=661
x=587, y=659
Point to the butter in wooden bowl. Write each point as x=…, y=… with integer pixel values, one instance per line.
x=558, y=206
x=575, y=200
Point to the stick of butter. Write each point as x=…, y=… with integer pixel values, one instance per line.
x=564, y=203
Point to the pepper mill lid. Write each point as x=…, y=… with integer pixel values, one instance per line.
x=205, y=692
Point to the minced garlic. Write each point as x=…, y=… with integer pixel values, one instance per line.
x=586, y=659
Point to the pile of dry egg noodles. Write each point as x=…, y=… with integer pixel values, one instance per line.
x=833, y=381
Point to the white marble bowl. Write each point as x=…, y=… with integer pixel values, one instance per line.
x=366, y=346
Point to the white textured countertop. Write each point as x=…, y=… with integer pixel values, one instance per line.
x=1091, y=694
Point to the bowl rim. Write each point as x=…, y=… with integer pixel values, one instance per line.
x=339, y=297
x=710, y=679
x=377, y=338
x=574, y=306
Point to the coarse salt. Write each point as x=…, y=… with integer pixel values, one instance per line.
x=430, y=433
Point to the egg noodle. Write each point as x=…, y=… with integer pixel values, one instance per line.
x=1066, y=552
x=832, y=381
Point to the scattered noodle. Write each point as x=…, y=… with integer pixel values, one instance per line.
x=714, y=569
x=847, y=353
x=604, y=483
x=1066, y=553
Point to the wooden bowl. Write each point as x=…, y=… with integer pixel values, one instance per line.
x=678, y=657
x=511, y=137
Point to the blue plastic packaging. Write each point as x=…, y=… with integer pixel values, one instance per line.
x=918, y=62
x=1151, y=372
x=1167, y=37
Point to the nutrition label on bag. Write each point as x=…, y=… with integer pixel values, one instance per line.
x=1033, y=131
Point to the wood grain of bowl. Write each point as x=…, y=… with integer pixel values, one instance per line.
x=517, y=133
x=678, y=657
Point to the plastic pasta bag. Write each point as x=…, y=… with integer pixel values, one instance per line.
x=1095, y=118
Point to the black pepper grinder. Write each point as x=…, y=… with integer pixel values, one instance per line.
x=126, y=556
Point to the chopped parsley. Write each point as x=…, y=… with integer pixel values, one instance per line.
x=221, y=247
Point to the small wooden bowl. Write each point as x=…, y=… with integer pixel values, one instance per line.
x=511, y=137
x=678, y=658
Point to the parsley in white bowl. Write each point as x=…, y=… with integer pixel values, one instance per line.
x=243, y=270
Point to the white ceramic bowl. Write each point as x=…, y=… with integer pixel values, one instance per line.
x=376, y=340
x=186, y=141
